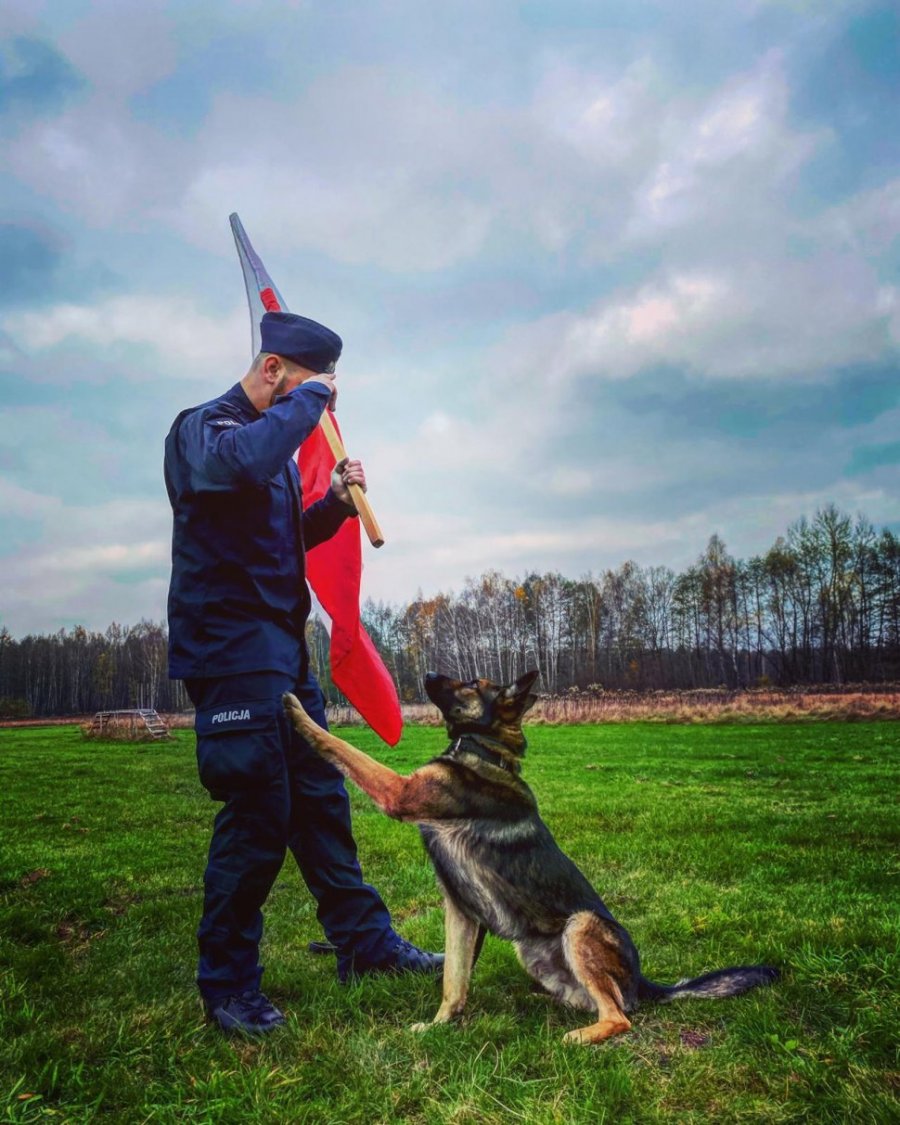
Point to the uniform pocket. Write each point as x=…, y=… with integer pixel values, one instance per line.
x=238, y=747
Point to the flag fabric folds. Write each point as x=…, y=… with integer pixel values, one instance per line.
x=334, y=568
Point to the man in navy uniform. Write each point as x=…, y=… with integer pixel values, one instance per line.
x=238, y=605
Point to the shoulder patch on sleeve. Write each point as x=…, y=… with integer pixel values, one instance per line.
x=222, y=422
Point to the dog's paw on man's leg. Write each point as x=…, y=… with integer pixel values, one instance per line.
x=305, y=726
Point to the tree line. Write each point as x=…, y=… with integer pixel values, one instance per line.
x=77, y=672
x=822, y=605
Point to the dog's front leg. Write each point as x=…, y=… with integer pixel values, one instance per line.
x=382, y=784
x=426, y=795
x=461, y=937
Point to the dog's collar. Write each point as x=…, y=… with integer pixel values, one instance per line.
x=470, y=744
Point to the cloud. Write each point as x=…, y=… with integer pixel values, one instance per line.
x=867, y=223
x=81, y=444
x=30, y=259
x=120, y=51
x=98, y=164
x=385, y=219
x=35, y=78
x=594, y=303
x=18, y=503
x=369, y=168
x=873, y=457
x=10, y=354
x=738, y=140
x=733, y=314
x=359, y=171
x=435, y=554
x=89, y=564
x=565, y=479
x=183, y=340
x=366, y=165
x=88, y=154
x=756, y=321
x=41, y=265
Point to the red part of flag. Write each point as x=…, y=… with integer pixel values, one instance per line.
x=334, y=569
x=269, y=300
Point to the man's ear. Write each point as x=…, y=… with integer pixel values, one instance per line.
x=272, y=368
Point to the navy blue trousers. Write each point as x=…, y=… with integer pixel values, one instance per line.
x=278, y=794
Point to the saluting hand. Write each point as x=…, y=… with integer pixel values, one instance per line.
x=327, y=380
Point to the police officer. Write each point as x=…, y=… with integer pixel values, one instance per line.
x=238, y=605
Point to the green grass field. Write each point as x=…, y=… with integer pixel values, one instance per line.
x=714, y=845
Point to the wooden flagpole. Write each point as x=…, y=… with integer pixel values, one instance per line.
x=360, y=500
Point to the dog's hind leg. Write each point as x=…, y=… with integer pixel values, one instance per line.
x=600, y=960
x=462, y=942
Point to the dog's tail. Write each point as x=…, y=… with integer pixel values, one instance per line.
x=711, y=986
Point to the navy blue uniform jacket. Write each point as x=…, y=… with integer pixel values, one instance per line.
x=238, y=599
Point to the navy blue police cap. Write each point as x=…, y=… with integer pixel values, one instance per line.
x=300, y=339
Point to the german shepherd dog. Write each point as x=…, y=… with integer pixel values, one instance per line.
x=499, y=867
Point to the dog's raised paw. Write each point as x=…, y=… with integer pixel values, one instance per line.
x=293, y=708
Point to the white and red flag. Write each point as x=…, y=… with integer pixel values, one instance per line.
x=334, y=568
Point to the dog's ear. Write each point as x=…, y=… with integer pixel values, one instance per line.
x=518, y=692
x=524, y=682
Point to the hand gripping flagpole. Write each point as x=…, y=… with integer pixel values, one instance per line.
x=263, y=297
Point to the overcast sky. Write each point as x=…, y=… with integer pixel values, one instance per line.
x=611, y=275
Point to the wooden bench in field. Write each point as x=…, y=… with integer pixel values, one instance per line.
x=128, y=724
